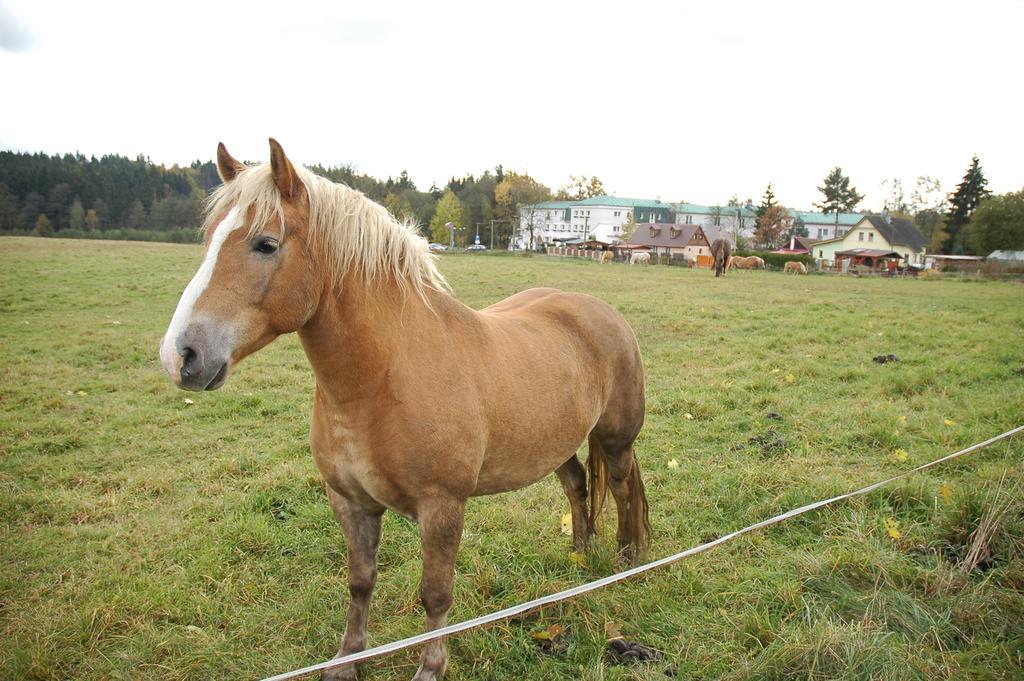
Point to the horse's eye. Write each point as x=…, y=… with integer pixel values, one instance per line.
x=265, y=245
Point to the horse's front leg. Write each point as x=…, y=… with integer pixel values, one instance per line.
x=440, y=533
x=362, y=535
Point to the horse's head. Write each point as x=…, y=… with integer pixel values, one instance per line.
x=257, y=280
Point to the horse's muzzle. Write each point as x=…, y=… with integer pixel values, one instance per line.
x=197, y=359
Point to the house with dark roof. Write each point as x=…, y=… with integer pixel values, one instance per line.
x=670, y=239
x=798, y=245
x=881, y=233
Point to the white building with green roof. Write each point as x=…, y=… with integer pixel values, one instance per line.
x=602, y=218
x=599, y=217
x=728, y=221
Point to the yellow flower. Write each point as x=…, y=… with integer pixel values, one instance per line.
x=903, y=418
x=901, y=455
x=567, y=523
x=578, y=558
x=790, y=378
x=949, y=422
x=946, y=491
x=672, y=463
x=892, y=528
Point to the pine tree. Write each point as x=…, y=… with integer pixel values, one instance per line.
x=767, y=201
x=840, y=197
x=969, y=193
x=8, y=209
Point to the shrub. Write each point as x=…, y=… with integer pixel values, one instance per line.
x=776, y=261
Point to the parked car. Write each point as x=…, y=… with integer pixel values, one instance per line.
x=437, y=248
x=476, y=247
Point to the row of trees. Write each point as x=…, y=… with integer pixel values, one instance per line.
x=50, y=194
x=969, y=220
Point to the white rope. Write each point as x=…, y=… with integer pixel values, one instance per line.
x=521, y=608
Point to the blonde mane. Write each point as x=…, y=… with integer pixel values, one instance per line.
x=346, y=229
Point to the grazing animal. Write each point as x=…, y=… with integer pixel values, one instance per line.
x=607, y=256
x=721, y=249
x=420, y=402
x=795, y=266
x=749, y=263
x=640, y=259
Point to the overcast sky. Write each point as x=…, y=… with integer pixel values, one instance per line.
x=674, y=100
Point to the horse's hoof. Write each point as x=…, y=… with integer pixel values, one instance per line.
x=343, y=673
x=430, y=674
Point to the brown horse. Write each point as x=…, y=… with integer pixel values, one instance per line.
x=420, y=401
x=795, y=266
x=749, y=263
x=721, y=250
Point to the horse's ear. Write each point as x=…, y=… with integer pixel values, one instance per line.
x=285, y=177
x=227, y=167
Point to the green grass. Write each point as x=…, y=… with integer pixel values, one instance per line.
x=143, y=537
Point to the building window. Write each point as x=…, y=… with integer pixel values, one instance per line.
x=860, y=236
x=821, y=253
x=689, y=219
x=871, y=236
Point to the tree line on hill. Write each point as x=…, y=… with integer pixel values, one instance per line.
x=118, y=197
x=78, y=196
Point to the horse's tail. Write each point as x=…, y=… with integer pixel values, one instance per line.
x=637, y=523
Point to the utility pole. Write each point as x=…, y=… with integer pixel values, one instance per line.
x=492, y=234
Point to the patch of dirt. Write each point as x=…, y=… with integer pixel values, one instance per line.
x=771, y=443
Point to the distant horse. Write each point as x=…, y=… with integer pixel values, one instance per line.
x=607, y=257
x=421, y=402
x=721, y=250
x=795, y=266
x=749, y=263
x=640, y=259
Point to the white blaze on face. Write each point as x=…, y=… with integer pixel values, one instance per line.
x=169, y=355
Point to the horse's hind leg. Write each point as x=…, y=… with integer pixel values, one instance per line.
x=574, y=482
x=362, y=536
x=621, y=474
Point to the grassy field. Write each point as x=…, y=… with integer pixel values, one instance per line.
x=147, y=536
